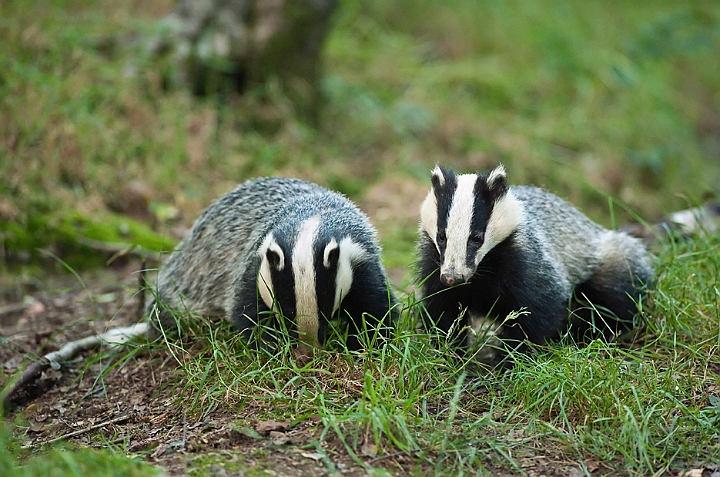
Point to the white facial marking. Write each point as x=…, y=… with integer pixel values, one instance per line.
x=428, y=215
x=264, y=280
x=303, y=267
x=506, y=216
x=350, y=253
x=458, y=228
x=332, y=245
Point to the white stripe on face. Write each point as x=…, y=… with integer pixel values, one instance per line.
x=428, y=215
x=350, y=253
x=264, y=280
x=303, y=266
x=458, y=228
x=428, y=210
x=506, y=216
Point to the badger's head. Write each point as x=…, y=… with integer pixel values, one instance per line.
x=305, y=275
x=466, y=216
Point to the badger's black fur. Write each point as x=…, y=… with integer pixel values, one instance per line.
x=280, y=247
x=494, y=251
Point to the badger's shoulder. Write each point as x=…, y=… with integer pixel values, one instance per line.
x=554, y=215
x=572, y=241
x=249, y=209
x=263, y=195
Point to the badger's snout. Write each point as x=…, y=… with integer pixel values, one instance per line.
x=452, y=278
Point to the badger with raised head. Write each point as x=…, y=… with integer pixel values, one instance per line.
x=280, y=248
x=487, y=250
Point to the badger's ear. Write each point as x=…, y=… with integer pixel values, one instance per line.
x=438, y=177
x=331, y=254
x=497, y=182
x=275, y=256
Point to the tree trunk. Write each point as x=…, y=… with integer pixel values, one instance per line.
x=216, y=45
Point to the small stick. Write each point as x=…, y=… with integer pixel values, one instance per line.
x=113, y=337
x=81, y=431
x=394, y=454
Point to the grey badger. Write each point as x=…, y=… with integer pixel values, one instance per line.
x=520, y=257
x=282, y=252
x=282, y=249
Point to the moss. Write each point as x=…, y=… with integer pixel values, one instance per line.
x=83, y=241
x=210, y=464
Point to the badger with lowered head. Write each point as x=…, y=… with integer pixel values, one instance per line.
x=280, y=249
x=524, y=258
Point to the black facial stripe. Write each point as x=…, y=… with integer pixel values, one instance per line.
x=283, y=289
x=324, y=284
x=325, y=281
x=482, y=208
x=444, y=196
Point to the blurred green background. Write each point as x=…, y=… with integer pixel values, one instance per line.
x=592, y=100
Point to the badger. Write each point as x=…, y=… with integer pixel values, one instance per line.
x=283, y=252
x=525, y=260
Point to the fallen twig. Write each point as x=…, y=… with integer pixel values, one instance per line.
x=393, y=455
x=80, y=431
x=113, y=337
x=28, y=376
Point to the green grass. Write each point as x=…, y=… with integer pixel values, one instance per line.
x=66, y=462
x=591, y=100
x=647, y=407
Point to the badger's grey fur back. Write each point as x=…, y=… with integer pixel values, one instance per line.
x=198, y=275
x=217, y=268
x=522, y=249
x=577, y=246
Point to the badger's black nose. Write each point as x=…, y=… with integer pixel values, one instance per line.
x=449, y=280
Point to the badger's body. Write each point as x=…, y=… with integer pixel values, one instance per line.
x=280, y=247
x=488, y=250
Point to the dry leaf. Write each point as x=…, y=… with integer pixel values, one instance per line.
x=37, y=427
x=592, y=464
x=265, y=427
x=279, y=438
x=369, y=449
x=692, y=473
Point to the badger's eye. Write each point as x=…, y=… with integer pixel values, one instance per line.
x=441, y=238
x=477, y=239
